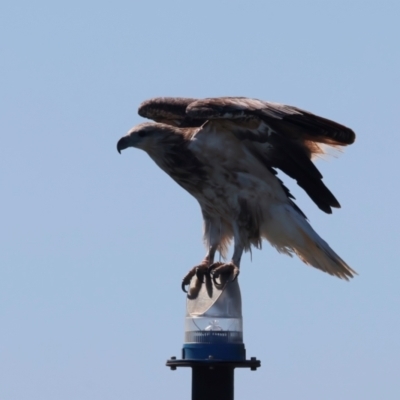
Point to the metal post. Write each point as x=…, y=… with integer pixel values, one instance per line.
x=215, y=383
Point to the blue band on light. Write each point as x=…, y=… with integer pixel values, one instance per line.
x=217, y=351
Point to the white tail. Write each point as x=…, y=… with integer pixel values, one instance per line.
x=289, y=232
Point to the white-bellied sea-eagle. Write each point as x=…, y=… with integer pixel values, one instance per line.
x=224, y=152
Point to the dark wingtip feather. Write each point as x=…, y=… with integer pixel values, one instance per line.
x=322, y=129
x=319, y=194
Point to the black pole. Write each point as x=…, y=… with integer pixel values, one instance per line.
x=213, y=379
x=215, y=383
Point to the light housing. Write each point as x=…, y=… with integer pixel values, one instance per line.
x=214, y=323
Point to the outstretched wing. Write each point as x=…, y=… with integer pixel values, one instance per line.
x=171, y=111
x=279, y=136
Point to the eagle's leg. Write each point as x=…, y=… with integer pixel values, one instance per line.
x=232, y=268
x=200, y=270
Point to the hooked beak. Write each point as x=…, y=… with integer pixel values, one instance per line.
x=122, y=144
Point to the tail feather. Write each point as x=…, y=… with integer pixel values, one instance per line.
x=320, y=255
x=289, y=232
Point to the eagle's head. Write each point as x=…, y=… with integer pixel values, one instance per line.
x=146, y=136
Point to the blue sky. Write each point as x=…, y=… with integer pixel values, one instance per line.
x=94, y=244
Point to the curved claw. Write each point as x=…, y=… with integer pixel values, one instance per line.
x=223, y=271
x=183, y=286
x=214, y=279
x=212, y=267
x=200, y=275
x=217, y=284
x=187, y=279
x=235, y=275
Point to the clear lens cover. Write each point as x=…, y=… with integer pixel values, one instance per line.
x=215, y=317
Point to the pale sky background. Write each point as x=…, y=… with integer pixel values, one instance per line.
x=94, y=244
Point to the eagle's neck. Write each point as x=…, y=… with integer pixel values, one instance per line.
x=173, y=156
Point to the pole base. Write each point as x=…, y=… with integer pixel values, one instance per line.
x=253, y=363
x=213, y=379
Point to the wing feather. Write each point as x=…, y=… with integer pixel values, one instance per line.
x=290, y=121
x=170, y=110
x=282, y=136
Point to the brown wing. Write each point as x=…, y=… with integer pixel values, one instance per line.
x=170, y=110
x=287, y=120
x=280, y=136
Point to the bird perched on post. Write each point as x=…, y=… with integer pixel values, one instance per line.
x=224, y=152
